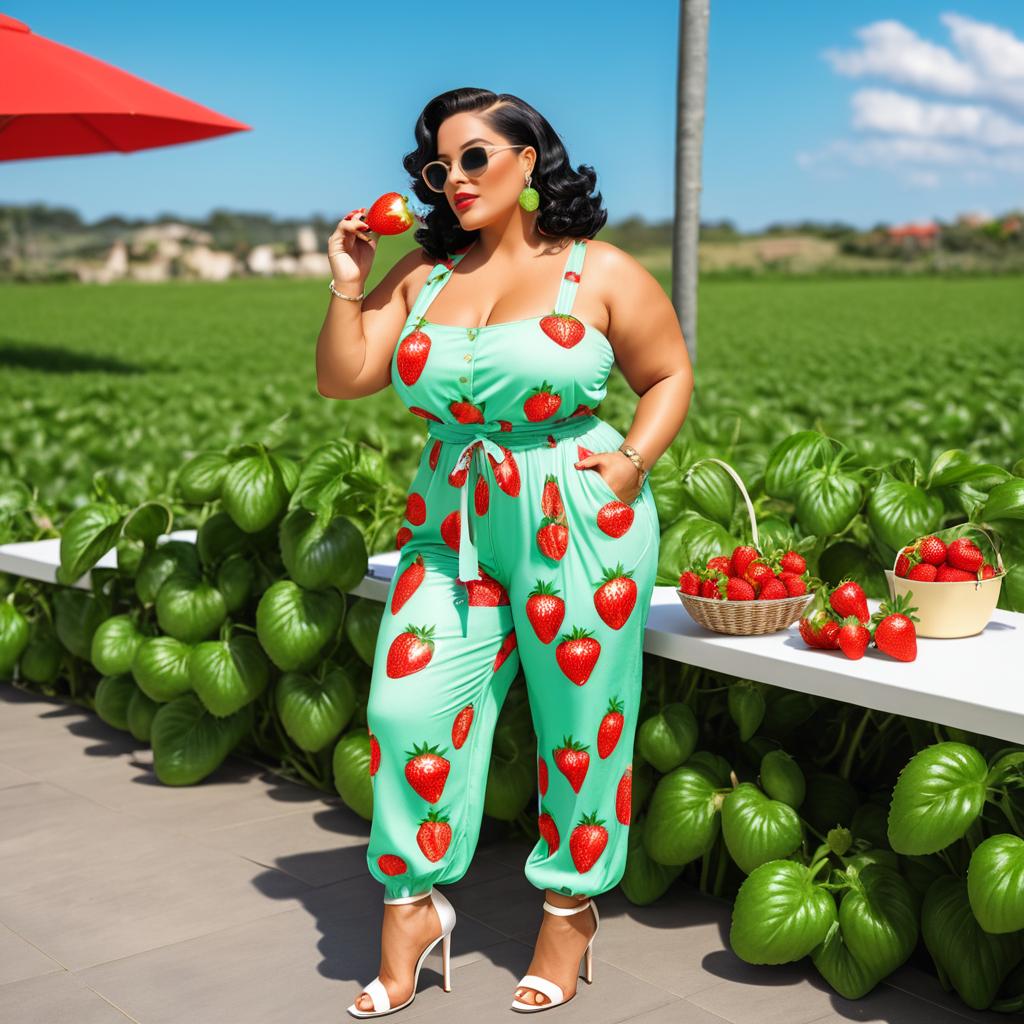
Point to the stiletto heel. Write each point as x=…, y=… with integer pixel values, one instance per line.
x=446, y=952
x=376, y=990
x=554, y=992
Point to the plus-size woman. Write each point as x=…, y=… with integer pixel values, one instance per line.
x=530, y=534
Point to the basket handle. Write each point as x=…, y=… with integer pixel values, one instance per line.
x=739, y=483
x=960, y=526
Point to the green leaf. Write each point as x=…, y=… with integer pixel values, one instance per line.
x=669, y=737
x=746, y=706
x=956, y=466
x=995, y=883
x=826, y=501
x=315, y=709
x=1005, y=501
x=791, y=458
x=644, y=880
x=682, y=818
x=938, y=795
x=780, y=914
x=711, y=491
x=89, y=533
x=899, y=512
x=757, y=829
x=974, y=961
x=148, y=521
x=189, y=743
x=782, y=778
x=351, y=765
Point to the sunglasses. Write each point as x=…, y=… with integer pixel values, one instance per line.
x=473, y=163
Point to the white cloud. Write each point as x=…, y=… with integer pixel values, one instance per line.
x=886, y=110
x=921, y=128
x=893, y=51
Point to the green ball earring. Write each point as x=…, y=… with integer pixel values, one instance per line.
x=529, y=198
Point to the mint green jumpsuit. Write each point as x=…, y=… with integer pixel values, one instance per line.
x=509, y=553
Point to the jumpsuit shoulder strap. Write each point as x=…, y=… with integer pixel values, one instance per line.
x=436, y=280
x=571, y=276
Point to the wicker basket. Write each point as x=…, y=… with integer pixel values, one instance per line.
x=744, y=618
x=950, y=609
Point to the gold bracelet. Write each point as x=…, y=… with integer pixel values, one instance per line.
x=636, y=458
x=351, y=298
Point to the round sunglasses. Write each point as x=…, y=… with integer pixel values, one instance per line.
x=473, y=163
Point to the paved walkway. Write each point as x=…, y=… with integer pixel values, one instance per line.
x=246, y=900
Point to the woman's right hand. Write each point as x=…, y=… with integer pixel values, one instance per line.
x=350, y=250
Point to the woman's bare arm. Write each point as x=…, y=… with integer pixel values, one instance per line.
x=356, y=343
x=650, y=351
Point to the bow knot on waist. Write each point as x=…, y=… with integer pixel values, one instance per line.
x=484, y=435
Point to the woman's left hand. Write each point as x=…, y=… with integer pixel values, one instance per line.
x=617, y=471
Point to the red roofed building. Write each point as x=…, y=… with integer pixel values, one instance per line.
x=924, y=234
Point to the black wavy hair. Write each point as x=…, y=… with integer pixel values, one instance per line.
x=566, y=208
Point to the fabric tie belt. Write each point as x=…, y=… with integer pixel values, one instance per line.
x=472, y=435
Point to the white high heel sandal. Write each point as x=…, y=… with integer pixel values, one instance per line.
x=376, y=990
x=549, y=988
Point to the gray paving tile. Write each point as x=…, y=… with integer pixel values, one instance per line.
x=11, y=776
x=306, y=965
x=926, y=985
x=85, y=884
x=664, y=943
x=796, y=994
x=20, y=959
x=55, y=999
x=679, y=1011
x=237, y=792
x=39, y=737
x=319, y=845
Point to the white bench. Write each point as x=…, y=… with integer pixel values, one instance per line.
x=974, y=683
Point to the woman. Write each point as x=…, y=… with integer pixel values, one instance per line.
x=532, y=536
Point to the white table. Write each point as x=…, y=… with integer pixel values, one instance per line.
x=974, y=683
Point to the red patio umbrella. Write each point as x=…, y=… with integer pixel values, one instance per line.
x=57, y=101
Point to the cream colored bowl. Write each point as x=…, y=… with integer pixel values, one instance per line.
x=948, y=609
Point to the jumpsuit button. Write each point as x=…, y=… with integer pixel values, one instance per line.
x=463, y=380
x=467, y=357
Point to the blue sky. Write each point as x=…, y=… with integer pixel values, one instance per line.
x=863, y=112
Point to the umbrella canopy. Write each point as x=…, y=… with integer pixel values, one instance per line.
x=57, y=101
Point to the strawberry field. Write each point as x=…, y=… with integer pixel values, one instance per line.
x=860, y=416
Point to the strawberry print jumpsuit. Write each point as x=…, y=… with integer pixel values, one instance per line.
x=509, y=553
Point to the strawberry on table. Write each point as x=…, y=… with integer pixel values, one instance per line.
x=853, y=637
x=893, y=628
x=820, y=630
x=848, y=598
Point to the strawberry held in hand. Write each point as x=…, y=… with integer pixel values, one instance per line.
x=390, y=214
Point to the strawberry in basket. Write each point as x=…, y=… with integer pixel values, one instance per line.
x=930, y=560
x=747, y=575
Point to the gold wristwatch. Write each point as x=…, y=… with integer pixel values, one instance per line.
x=636, y=458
